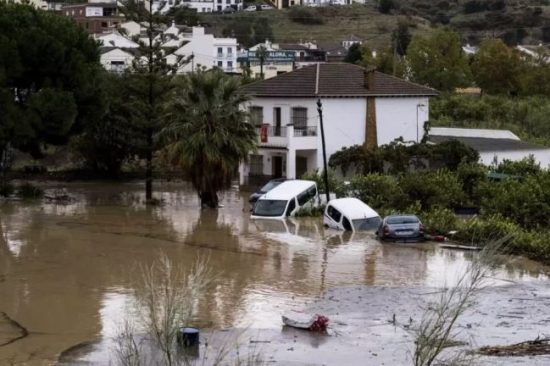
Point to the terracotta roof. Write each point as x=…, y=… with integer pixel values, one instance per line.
x=334, y=80
x=482, y=144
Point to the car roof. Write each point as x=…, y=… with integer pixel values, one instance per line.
x=288, y=189
x=353, y=208
x=404, y=215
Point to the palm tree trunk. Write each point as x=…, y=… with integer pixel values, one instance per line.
x=209, y=199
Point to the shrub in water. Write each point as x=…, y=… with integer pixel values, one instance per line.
x=28, y=191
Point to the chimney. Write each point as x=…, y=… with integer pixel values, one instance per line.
x=368, y=78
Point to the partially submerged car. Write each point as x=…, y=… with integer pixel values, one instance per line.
x=286, y=199
x=350, y=214
x=266, y=188
x=401, y=228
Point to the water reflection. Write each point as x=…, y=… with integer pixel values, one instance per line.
x=79, y=262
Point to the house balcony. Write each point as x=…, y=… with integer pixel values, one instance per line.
x=288, y=137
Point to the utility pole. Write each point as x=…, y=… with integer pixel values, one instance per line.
x=320, y=111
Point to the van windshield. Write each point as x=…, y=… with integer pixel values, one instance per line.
x=270, y=208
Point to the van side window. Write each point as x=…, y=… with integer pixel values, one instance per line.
x=346, y=223
x=291, y=207
x=306, y=196
x=334, y=213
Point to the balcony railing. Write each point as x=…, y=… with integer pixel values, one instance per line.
x=305, y=131
x=274, y=131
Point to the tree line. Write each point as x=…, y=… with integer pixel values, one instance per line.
x=54, y=92
x=438, y=60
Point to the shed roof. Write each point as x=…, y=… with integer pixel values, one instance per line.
x=484, y=144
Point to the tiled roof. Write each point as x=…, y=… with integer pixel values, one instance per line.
x=334, y=80
x=482, y=144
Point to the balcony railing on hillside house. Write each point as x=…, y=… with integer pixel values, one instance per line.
x=273, y=131
x=305, y=131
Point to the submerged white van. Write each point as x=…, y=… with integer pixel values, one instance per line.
x=286, y=199
x=350, y=214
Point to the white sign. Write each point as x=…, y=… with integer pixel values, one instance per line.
x=94, y=12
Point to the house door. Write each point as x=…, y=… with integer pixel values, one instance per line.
x=277, y=166
x=301, y=166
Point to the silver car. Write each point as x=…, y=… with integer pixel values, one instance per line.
x=401, y=228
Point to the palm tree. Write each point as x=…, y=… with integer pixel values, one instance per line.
x=208, y=134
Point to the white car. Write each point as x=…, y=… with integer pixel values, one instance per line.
x=350, y=214
x=250, y=8
x=266, y=7
x=286, y=199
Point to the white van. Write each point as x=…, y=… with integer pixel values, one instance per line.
x=286, y=199
x=350, y=214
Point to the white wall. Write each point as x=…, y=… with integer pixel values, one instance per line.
x=396, y=116
x=541, y=156
x=344, y=120
x=204, y=48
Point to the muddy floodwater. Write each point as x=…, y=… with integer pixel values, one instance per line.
x=69, y=271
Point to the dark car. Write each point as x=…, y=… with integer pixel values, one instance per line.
x=401, y=228
x=268, y=187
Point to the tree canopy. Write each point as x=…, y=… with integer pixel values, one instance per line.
x=437, y=60
x=49, y=77
x=208, y=134
x=497, y=68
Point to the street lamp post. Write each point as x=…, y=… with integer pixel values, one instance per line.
x=320, y=111
x=419, y=105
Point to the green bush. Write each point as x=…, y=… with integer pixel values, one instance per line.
x=6, y=189
x=471, y=176
x=479, y=231
x=316, y=211
x=525, y=201
x=377, y=190
x=335, y=186
x=526, y=166
x=303, y=15
x=433, y=189
x=439, y=221
x=28, y=191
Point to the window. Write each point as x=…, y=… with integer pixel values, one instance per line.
x=347, y=224
x=220, y=51
x=334, y=213
x=256, y=165
x=306, y=196
x=299, y=118
x=103, y=24
x=270, y=208
x=256, y=115
x=229, y=51
x=220, y=64
x=291, y=207
x=230, y=65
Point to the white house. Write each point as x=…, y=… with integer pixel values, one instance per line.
x=207, y=51
x=359, y=107
x=116, y=40
x=201, y=6
x=493, y=146
x=116, y=59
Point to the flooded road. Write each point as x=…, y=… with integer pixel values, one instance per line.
x=68, y=271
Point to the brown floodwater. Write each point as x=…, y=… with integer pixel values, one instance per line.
x=68, y=271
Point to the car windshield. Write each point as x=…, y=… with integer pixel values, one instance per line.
x=399, y=220
x=366, y=224
x=269, y=186
x=270, y=208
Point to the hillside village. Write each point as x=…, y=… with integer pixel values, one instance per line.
x=320, y=182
